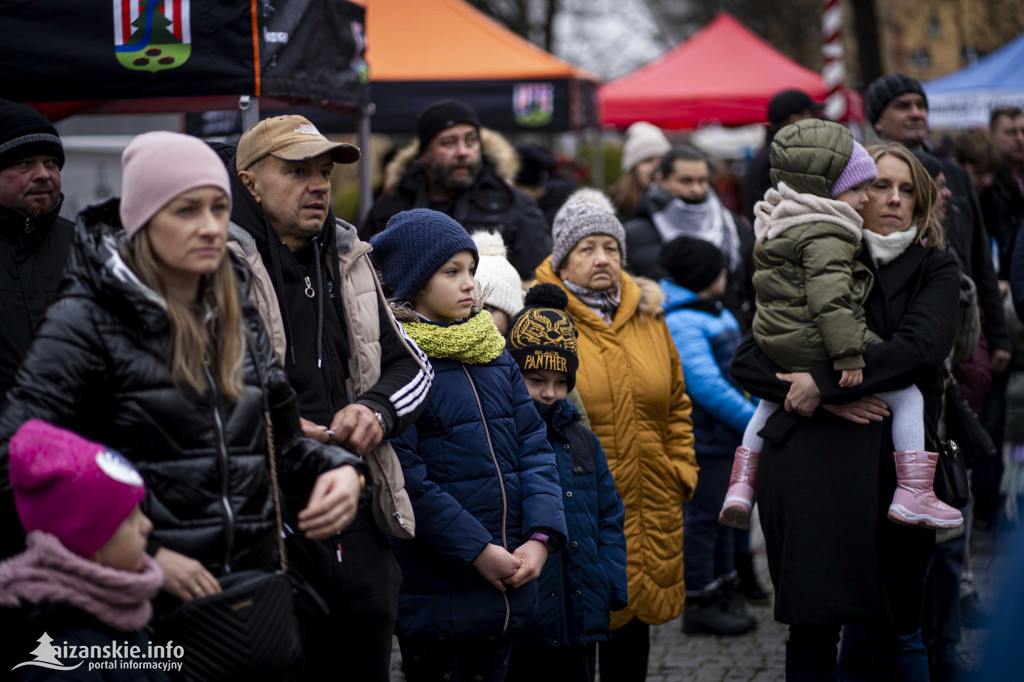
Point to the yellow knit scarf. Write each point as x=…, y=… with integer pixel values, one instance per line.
x=474, y=341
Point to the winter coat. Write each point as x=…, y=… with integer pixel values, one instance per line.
x=491, y=203
x=1002, y=208
x=32, y=255
x=480, y=422
x=68, y=626
x=586, y=579
x=965, y=232
x=644, y=246
x=99, y=367
x=810, y=287
x=707, y=335
x=385, y=370
x=631, y=380
x=832, y=554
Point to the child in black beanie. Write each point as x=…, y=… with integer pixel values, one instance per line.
x=580, y=586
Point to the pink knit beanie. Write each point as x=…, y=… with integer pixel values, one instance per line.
x=859, y=168
x=156, y=167
x=70, y=487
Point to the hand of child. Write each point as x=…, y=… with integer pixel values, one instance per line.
x=496, y=564
x=533, y=554
x=184, y=577
x=851, y=378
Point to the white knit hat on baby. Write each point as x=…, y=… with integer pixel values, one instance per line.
x=493, y=270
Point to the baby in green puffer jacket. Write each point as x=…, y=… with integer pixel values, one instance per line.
x=810, y=288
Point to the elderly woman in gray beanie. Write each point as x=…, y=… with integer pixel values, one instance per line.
x=631, y=382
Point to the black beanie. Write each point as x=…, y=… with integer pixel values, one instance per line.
x=535, y=165
x=24, y=132
x=542, y=335
x=442, y=115
x=885, y=88
x=692, y=263
x=930, y=163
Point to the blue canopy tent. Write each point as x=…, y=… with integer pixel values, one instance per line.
x=966, y=98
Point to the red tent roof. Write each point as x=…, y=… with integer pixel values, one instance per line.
x=723, y=74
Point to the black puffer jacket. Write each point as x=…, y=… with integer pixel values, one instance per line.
x=32, y=255
x=99, y=366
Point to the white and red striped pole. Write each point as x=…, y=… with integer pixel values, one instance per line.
x=833, y=69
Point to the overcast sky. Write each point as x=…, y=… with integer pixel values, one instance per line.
x=608, y=37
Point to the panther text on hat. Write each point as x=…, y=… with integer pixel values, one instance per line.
x=292, y=138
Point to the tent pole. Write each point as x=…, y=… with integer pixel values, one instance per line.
x=250, y=107
x=365, y=161
x=598, y=174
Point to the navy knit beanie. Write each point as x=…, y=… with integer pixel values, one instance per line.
x=886, y=88
x=24, y=132
x=414, y=245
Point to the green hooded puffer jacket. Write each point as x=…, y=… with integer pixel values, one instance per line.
x=809, y=283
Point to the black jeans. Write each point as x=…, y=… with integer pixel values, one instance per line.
x=533, y=663
x=474, y=659
x=624, y=656
x=353, y=642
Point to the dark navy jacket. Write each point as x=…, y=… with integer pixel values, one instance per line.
x=480, y=420
x=707, y=336
x=582, y=583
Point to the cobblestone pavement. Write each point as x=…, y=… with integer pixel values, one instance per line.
x=760, y=656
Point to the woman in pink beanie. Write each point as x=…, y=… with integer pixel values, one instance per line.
x=154, y=349
x=85, y=578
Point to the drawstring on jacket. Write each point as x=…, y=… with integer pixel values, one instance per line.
x=319, y=307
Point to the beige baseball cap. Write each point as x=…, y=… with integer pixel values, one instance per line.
x=292, y=138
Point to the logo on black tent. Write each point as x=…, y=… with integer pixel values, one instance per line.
x=533, y=104
x=152, y=35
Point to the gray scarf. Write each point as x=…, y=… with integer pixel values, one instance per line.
x=708, y=220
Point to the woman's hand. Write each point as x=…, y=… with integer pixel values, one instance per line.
x=864, y=411
x=314, y=431
x=332, y=504
x=533, y=554
x=804, y=396
x=184, y=577
x=495, y=564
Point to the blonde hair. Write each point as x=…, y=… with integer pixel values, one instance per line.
x=198, y=338
x=929, y=230
x=626, y=193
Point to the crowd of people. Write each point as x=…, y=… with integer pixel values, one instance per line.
x=514, y=424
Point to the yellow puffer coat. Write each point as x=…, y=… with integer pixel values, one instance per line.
x=631, y=382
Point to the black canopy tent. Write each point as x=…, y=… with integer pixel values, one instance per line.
x=68, y=57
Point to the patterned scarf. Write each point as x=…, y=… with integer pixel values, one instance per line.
x=49, y=572
x=602, y=303
x=474, y=340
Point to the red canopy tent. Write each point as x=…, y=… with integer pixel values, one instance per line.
x=723, y=74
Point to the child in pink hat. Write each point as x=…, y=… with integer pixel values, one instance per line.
x=85, y=577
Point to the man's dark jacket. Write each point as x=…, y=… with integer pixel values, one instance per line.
x=644, y=246
x=491, y=204
x=965, y=232
x=32, y=255
x=1002, y=205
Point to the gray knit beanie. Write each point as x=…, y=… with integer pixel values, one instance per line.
x=578, y=219
x=886, y=88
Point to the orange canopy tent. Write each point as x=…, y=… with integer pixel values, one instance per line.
x=723, y=74
x=431, y=49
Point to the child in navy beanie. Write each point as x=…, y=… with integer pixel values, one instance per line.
x=477, y=464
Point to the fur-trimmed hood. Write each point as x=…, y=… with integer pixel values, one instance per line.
x=497, y=151
x=651, y=297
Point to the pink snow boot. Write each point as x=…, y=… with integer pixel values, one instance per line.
x=739, y=498
x=914, y=502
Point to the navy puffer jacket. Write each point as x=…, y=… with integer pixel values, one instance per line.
x=582, y=583
x=480, y=420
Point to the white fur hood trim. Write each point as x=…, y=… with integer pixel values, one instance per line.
x=784, y=208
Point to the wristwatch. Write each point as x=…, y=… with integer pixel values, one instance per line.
x=380, y=420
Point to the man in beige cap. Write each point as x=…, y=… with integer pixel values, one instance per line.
x=358, y=379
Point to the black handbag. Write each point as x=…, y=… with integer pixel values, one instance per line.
x=951, y=475
x=250, y=630
x=963, y=426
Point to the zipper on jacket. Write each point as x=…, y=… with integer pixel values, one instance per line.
x=222, y=457
x=501, y=485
